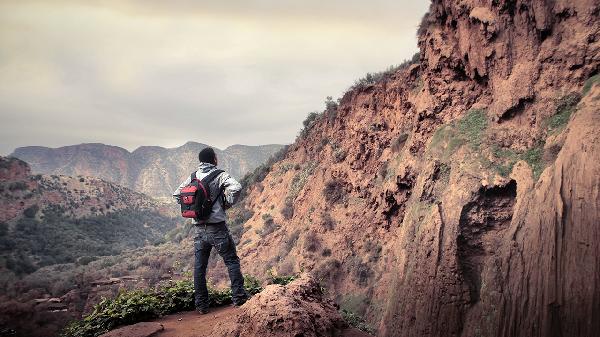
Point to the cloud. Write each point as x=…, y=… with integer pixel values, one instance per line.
x=133, y=73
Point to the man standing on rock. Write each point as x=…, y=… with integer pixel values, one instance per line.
x=213, y=232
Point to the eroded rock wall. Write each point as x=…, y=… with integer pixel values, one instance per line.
x=458, y=196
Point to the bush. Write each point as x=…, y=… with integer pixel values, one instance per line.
x=471, y=127
x=328, y=221
x=334, y=191
x=17, y=186
x=269, y=225
x=134, y=306
x=423, y=25
x=398, y=143
x=288, y=209
x=590, y=82
x=356, y=321
x=372, y=78
x=328, y=271
x=311, y=242
x=564, y=108
x=280, y=279
x=291, y=241
x=308, y=123
x=260, y=173
x=31, y=211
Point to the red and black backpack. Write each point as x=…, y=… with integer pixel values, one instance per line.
x=195, y=199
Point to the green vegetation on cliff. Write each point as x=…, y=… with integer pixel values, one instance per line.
x=32, y=242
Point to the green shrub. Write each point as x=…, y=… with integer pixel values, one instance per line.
x=291, y=242
x=328, y=221
x=505, y=159
x=334, y=191
x=472, y=126
x=398, y=143
x=564, y=109
x=589, y=83
x=300, y=180
x=288, y=209
x=373, y=78
x=133, y=306
x=17, y=186
x=308, y=123
x=356, y=321
x=280, y=279
x=260, y=173
x=467, y=130
x=269, y=226
x=31, y=211
x=311, y=242
x=533, y=157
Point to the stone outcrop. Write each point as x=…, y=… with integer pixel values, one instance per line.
x=458, y=196
x=297, y=309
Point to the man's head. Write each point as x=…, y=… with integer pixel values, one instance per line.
x=208, y=155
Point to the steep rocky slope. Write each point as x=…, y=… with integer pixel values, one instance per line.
x=75, y=196
x=53, y=230
x=50, y=220
x=153, y=170
x=457, y=196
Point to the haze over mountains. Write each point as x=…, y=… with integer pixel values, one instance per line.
x=153, y=170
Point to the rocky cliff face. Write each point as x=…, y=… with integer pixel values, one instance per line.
x=76, y=197
x=153, y=170
x=458, y=196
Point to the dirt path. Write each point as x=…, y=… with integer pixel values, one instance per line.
x=192, y=324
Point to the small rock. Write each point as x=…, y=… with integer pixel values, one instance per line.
x=144, y=329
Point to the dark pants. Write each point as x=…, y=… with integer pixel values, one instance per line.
x=217, y=236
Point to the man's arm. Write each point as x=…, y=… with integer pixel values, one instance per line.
x=183, y=184
x=231, y=188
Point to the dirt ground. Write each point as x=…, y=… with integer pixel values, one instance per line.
x=191, y=324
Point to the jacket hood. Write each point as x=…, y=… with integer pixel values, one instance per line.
x=205, y=167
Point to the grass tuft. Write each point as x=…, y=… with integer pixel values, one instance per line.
x=589, y=83
x=356, y=321
x=564, y=109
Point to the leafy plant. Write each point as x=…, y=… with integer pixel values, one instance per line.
x=372, y=78
x=288, y=209
x=300, y=179
x=269, y=225
x=260, y=173
x=506, y=158
x=565, y=107
x=356, y=321
x=280, y=279
x=466, y=130
x=334, y=191
x=133, y=306
x=587, y=86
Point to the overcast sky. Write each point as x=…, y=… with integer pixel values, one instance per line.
x=151, y=72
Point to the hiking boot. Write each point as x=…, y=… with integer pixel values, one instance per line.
x=202, y=311
x=238, y=303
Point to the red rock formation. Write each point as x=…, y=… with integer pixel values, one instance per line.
x=298, y=309
x=457, y=196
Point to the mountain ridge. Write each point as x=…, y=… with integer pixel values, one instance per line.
x=153, y=170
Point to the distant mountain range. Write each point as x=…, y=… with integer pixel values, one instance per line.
x=153, y=170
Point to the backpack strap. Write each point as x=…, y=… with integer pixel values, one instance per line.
x=210, y=177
